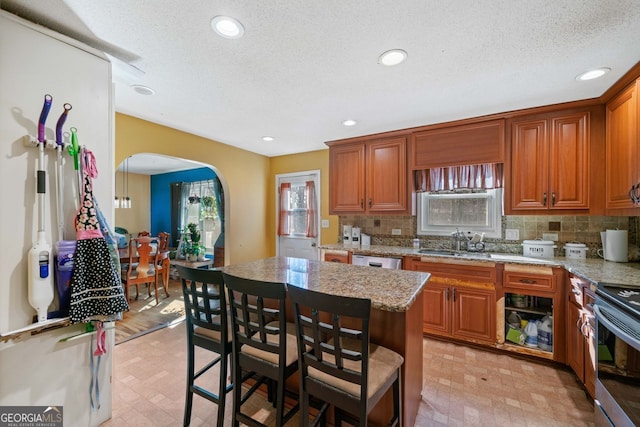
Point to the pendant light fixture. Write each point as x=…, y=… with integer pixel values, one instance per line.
x=127, y=201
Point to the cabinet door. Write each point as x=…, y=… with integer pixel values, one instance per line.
x=474, y=314
x=575, y=340
x=386, y=176
x=436, y=309
x=621, y=154
x=569, y=162
x=346, y=178
x=529, y=165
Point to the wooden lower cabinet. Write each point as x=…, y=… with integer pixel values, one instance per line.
x=465, y=310
x=343, y=257
x=581, y=349
x=533, y=292
x=460, y=312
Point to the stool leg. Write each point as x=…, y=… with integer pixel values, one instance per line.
x=222, y=390
x=190, y=373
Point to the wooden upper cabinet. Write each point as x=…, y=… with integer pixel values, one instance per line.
x=368, y=176
x=474, y=143
x=569, y=162
x=622, y=148
x=550, y=163
x=386, y=176
x=346, y=178
x=530, y=165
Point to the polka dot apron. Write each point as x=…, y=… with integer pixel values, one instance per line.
x=96, y=288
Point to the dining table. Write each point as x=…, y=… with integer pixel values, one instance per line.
x=396, y=314
x=163, y=262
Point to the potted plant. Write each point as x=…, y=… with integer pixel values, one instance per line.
x=207, y=208
x=193, y=246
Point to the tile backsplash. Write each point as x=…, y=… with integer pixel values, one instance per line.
x=584, y=229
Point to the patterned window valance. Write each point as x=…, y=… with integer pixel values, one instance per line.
x=483, y=176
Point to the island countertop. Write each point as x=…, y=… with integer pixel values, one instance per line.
x=389, y=290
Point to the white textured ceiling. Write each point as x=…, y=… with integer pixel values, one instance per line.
x=304, y=66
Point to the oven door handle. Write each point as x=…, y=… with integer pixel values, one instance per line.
x=612, y=327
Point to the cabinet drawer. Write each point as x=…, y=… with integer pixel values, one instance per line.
x=451, y=273
x=529, y=281
x=337, y=256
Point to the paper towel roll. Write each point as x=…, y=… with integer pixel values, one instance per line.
x=616, y=246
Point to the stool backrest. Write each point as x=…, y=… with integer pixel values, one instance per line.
x=205, y=299
x=258, y=314
x=333, y=335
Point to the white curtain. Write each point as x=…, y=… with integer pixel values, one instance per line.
x=482, y=176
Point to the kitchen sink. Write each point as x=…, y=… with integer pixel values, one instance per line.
x=443, y=252
x=446, y=252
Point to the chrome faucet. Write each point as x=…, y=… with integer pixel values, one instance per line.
x=456, y=238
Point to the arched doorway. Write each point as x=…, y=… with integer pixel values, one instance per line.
x=156, y=185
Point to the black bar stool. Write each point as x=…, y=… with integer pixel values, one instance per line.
x=264, y=344
x=208, y=327
x=338, y=365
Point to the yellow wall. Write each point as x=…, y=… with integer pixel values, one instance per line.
x=312, y=160
x=244, y=176
x=138, y=218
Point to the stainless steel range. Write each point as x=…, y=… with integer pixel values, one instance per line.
x=617, y=311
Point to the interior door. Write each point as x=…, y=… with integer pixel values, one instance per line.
x=298, y=214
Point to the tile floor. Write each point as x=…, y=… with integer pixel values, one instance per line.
x=463, y=386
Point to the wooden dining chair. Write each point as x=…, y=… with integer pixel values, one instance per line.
x=264, y=344
x=338, y=364
x=208, y=327
x=164, y=263
x=141, y=265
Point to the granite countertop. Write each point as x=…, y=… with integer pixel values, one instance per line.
x=389, y=290
x=594, y=270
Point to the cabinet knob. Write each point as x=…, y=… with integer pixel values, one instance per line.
x=528, y=281
x=370, y=202
x=454, y=294
x=553, y=198
x=362, y=203
x=544, y=199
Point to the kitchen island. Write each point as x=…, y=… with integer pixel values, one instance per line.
x=396, y=315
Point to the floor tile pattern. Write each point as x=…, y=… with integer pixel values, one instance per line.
x=463, y=386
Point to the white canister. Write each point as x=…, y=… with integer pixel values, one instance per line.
x=538, y=248
x=575, y=251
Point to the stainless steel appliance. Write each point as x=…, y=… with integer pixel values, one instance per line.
x=617, y=312
x=376, y=261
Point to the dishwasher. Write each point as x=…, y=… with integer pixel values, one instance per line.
x=376, y=261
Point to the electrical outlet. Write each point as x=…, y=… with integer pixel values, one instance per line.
x=550, y=236
x=325, y=223
x=511, y=234
x=396, y=231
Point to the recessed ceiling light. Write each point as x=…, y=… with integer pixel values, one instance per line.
x=593, y=74
x=392, y=57
x=349, y=122
x=227, y=27
x=143, y=90
x=268, y=138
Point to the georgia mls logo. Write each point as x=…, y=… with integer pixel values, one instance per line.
x=31, y=416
